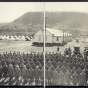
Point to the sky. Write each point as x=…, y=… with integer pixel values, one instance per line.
x=67, y=6
x=9, y=11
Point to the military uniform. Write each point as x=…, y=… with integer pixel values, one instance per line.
x=46, y=78
x=5, y=70
x=75, y=79
x=55, y=77
x=31, y=75
x=37, y=75
x=1, y=68
x=17, y=73
x=49, y=75
x=61, y=77
x=11, y=72
x=54, y=64
x=82, y=79
x=67, y=77
x=24, y=72
x=42, y=76
x=63, y=69
x=28, y=66
x=58, y=69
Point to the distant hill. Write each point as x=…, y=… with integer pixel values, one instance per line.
x=73, y=22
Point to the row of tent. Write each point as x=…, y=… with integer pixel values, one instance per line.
x=15, y=38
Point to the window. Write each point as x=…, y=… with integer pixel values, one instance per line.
x=39, y=38
x=57, y=38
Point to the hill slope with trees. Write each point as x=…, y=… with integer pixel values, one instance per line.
x=72, y=22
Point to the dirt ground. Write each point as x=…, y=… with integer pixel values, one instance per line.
x=71, y=44
x=26, y=46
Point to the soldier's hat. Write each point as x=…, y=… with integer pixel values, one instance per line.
x=36, y=66
x=10, y=65
x=24, y=66
x=17, y=66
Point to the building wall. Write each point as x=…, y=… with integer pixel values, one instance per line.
x=60, y=39
x=39, y=37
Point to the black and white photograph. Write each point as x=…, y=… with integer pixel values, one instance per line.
x=66, y=43
x=21, y=43
x=44, y=43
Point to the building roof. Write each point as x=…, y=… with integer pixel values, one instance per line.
x=57, y=32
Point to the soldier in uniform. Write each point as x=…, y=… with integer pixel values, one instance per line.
x=31, y=74
x=82, y=79
x=86, y=71
x=42, y=76
x=75, y=78
x=78, y=72
x=49, y=63
x=58, y=69
x=37, y=74
x=63, y=69
x=28, y=66
x=68, y=77
x=73, y=70
x=1, y=68
x=24, y=73
x=46, y=72
x=55, y=77
x=54, y=63
x=17, y=73
x=49, y=75
x=61, y=78
x=11, y=72
x=5, y=70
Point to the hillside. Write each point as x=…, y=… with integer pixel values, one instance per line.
x=73, y=22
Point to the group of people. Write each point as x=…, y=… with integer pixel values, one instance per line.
x=62, y=70
x=29, y=67
x=59, y=69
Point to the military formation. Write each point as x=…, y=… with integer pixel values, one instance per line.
x=70, y=71
x=28, y=69
x=21, y=69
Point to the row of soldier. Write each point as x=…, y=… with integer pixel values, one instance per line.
x=55, y=62
x=30, y=69
x=66, y=70
x=28, y=75
x=63, y=76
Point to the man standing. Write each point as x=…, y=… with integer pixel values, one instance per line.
x=61, y=78
x=17, y=73
x=31, y=74
x=42, y=76
x=37, y=74
x=75, y=79
x=68, y=77
x=24, y=73
x=11, y=72
x=55, y=77
x=82, y=79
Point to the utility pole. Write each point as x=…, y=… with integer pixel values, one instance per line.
x=63, y=36
x=45, y=34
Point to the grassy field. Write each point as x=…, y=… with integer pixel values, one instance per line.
x=26, y=46
x=22, y=46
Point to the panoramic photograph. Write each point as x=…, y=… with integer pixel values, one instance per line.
x=36, y=33
x=21, y=43
x=66, y=43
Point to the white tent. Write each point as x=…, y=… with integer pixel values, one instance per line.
x=11, y=38
x=27, y=38
x=22, y=38
x=17, y=39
